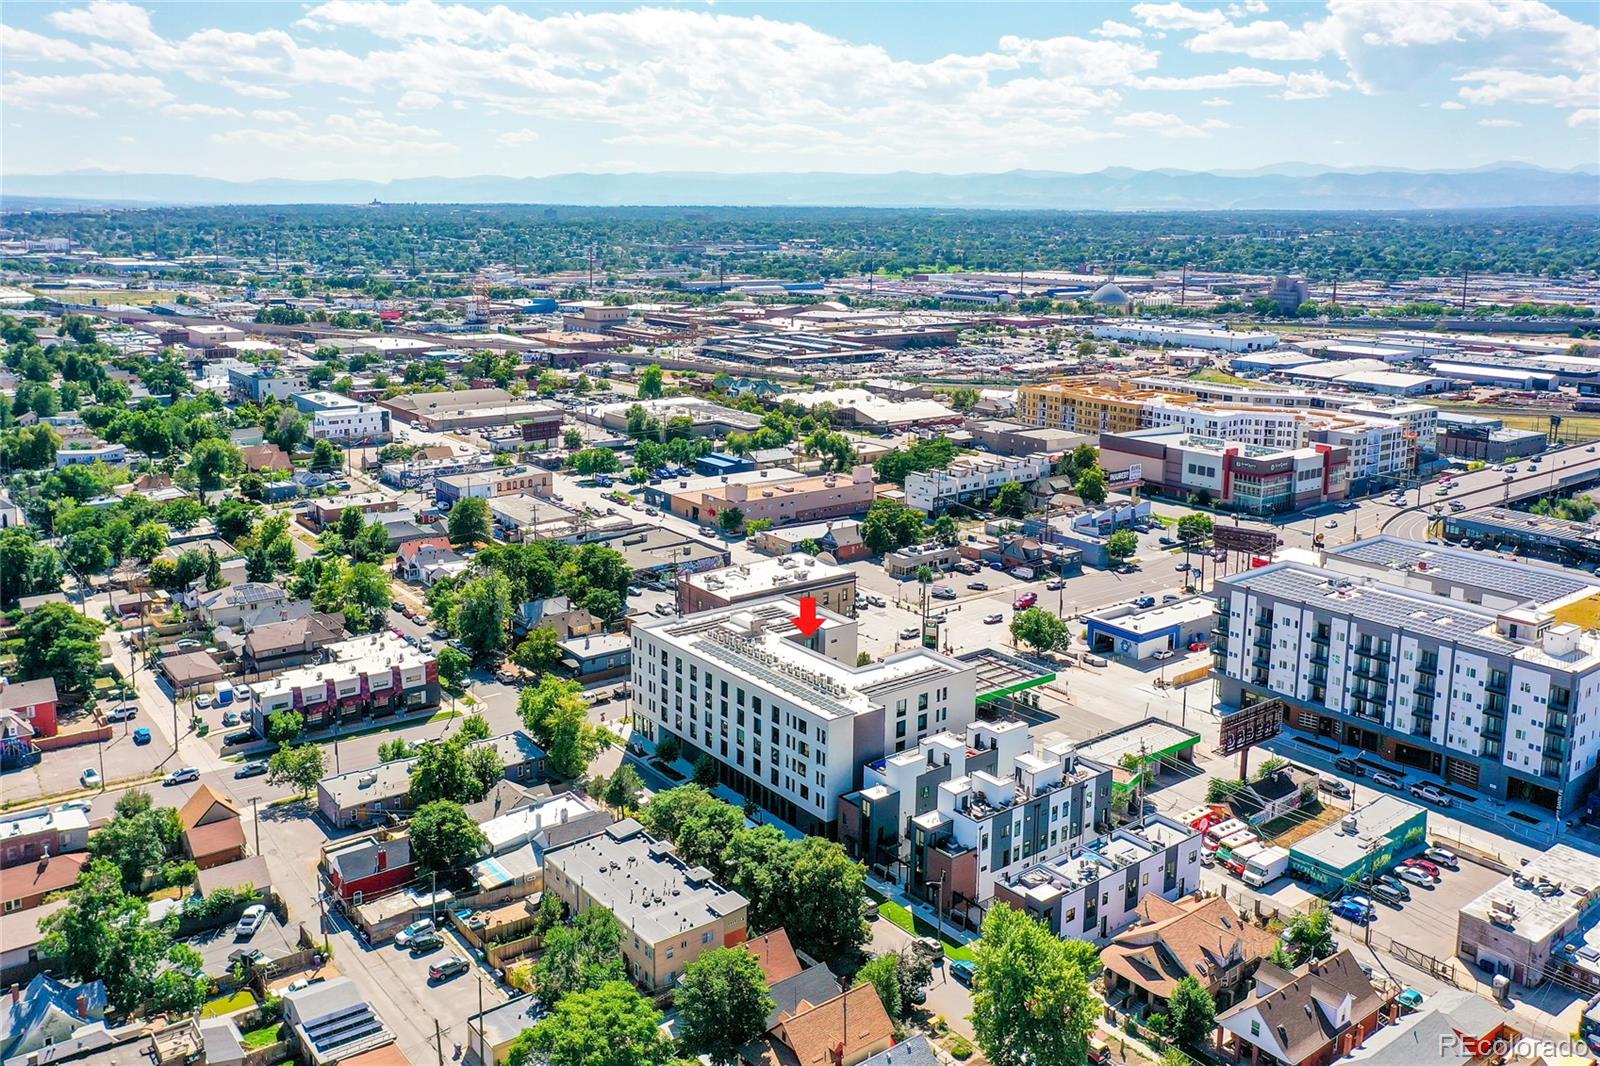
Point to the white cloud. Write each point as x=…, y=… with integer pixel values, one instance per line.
x=1110, y=28
x=517, y=138
x=201, y=111
x=20, y=45
x=73, y=94
x=1176, y=16
x=256, y=92
x=1499, y=123
x=418, y=101
x=1452, y=105
x=267, y=115
x=1265, y=40
x=1080, y=60
x=1236, y=78
x=1584, y=116
x=1312, y=85
x=1169, y=125
x=1501, y=86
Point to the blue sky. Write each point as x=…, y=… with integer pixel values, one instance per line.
x=348, y=88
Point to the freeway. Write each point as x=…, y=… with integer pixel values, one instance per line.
x=1487, y=487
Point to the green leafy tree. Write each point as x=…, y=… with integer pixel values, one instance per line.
x=828, y=892
x=26, y=567
x=1195, y=529
x=298, y=766
x=1310, y=935
x=444, y=836
x=58, y=642
x=1032, y=1005
x=1011, y=501
x=1093, y=486
x=475, y=727
x=325, y=456
x=284, y=726
x=593, y=461
x=1191, y=1014
x=731, y=520
x=140, y=837
x=454, y=770
x=556, y=716
x=539, y=651
x=623, y=788
x=650, y=382
x=612, y=1025
x=470, y=522
x=365, y=597
x=1122, y=544
x=705, y=771
x=214, y=462
x=945, y=530
x=580, y=957
x=572, y=439
x=149, y=540
x=483, y=615
x=453, y=667
x=722, y=1003
x=1039, y=629
x=883, y=974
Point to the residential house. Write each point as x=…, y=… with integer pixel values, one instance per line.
x=429, y=563
x=356, y=797
x=20, y=937
x=48, y=1012
x=406, y=553
x=24, y=887
x=28, y=835
x=331, y=1022
x=368, y=866
x=918, y=1051
x=280, y=645
x=33, y=702
x=597, y=657
x=520, y=840
x=213, y=833
x=557, y=612
x=776, y=956
x=265, y=457
x=491, y=1033
x=247, y=605
x=190, y=671
x=842, y=1031
x=1454, y=1025
x=1197, y=936
x=1309, y=1016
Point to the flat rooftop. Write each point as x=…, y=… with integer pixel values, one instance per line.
x=1148, y=737
x=750, y=640
x=40, y=819
x=766, y=576
x=347, y=660
x=1524, y=582
x=1151, y=620
x=653, y=892
x=1536, y=917
x=1377, y=821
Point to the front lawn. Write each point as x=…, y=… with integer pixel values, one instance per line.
x=901, y=915
x=266, y=1036
x=216, y=1008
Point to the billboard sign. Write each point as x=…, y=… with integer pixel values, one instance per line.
x=1131, y=476
x=1245, y=539
x=1251, y=725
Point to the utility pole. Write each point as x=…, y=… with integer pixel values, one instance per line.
x=255, y=817
x=438, y=1040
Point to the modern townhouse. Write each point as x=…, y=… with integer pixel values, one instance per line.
x=971, y=477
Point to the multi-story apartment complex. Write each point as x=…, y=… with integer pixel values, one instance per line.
x=374, y=674
x=255, y=384
x=958, y=812
x=1438, y=659
x=336, y=417
x=1246, y=477
x=790, y=720
x=970, y=477
x=794, y=574
x=671, y=913
x=1093, y=892
x=1378, y=447
x=1084, y=408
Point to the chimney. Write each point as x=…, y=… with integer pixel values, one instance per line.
x=83, y=1003
x=16, y=995
x=383, y=858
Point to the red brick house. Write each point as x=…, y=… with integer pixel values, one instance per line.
x=368, y=867
x=32, y=701
x=24, y=887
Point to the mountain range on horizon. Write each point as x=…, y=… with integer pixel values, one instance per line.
x=1288, y=186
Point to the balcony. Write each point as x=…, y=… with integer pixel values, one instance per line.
x=1421, y=725
x=1379, y=677
x=1320, y=637
x=1263, y=640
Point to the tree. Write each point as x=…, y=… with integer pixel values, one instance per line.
x=828, y=896
x=59, y=642
x=325, y=456
x=444, y=836
x=1011, y=501
x=1191, y=1014
x=104, y=933
x=475, y=727
x=593, y=461
x=140, y=837
x=572, y=439
x=883, y=973
x=149, y=540
x=1195, y=529
x=612, y=1025
x=284, y=726
x=483, y=615
x=890, y=525
x=945, y=530
x=365, y=596
x=1310, y=936
x=705, y=771
x=289, y=430
x=539, y=651
x=1093, y=486
x=623, y=788
x=1039, y=629
x=731, y=520
x=25, y=566
x=556, y=715
x=454, y=770
x=650, y=382
x=668, y=749
x=470, y=522
x=453, y=667
x=1031, y=1003
x=722, y=1004
x=214, y=461
x=1122, y=544
x=299, y=766
x=580, y=956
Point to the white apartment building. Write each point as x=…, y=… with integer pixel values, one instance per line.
x=970, y=477
x=1211, y=339
x=1421, y=420
x=358, y=421
x=1441, y=660
x=1378, y=446
x=1093, y=893
x=790, y=720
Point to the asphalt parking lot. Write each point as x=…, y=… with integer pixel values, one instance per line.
x=1427, y=921
x=273, y=938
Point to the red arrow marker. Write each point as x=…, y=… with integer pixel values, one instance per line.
x=808, y=622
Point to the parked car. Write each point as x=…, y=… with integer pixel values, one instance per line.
x=447, y=968
x=243, y=736
x=1428, y=794
x=1395, y=884
x=250, y=920
x=929, y=946
x=1166, y=542
x=1415, y=874
x=141, y=735
x=1181, y=568
x=1145, y=601
x=1055, y=584
x=417, y=928
x=978, y=586
x=426, y=942
x=1442, y=857
x=943, y=592
x=1349, y=766
x=876, y=600
x=254, y=768
x=1164, y=654
x=1198, y=645
x=910, y=633
x=1424, y=865
x=202, y=701
x=1385, y=894
x=89, y=779
x=124, y=713
x=182, y=775
x=1024, y=601
x=1170, y=597
x=1386, y=780
x=963, y=971
x=993, y=619
x=230, y=719
x=1355, y=909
